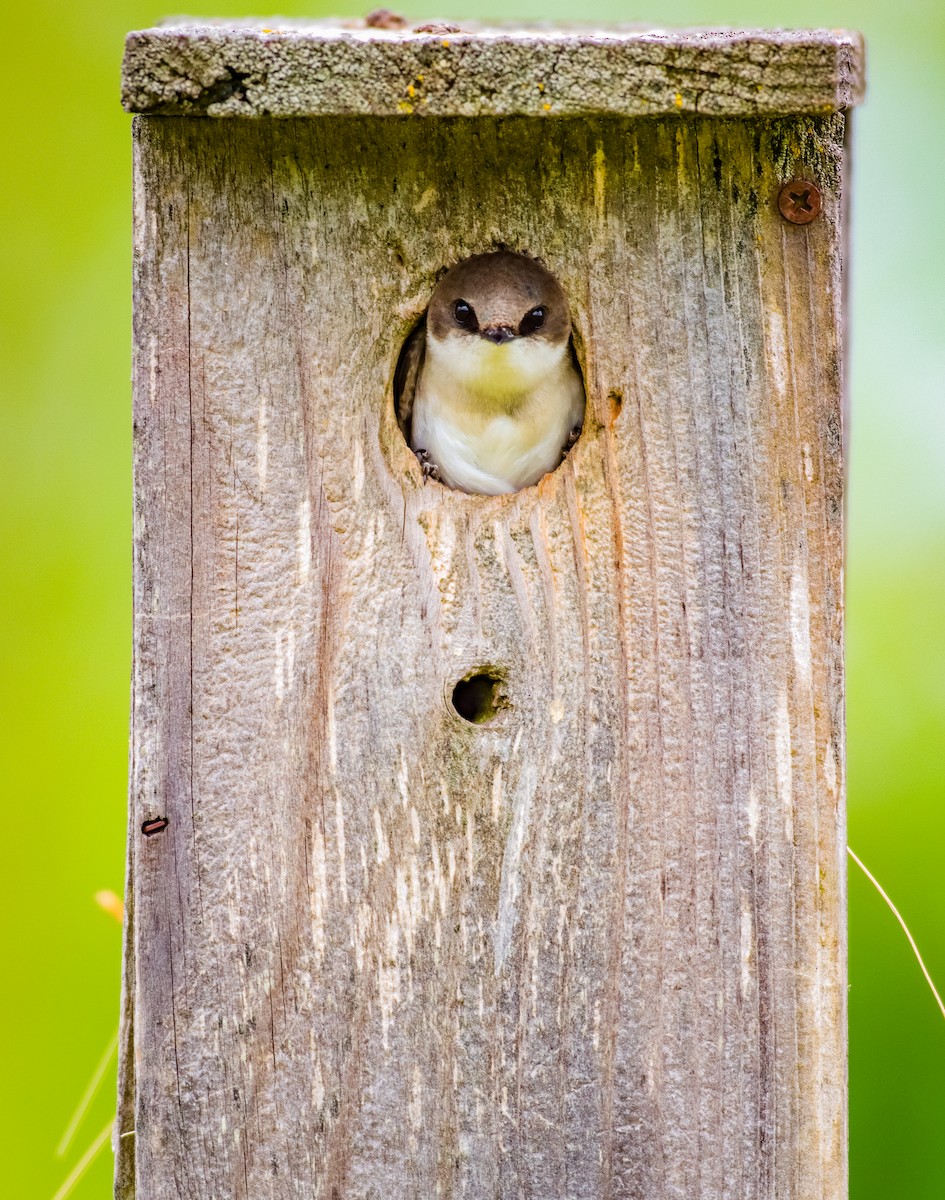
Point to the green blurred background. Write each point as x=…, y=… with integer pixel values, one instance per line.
x=65, y=562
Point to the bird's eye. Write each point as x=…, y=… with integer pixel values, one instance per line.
x=531, y=321
x=465, y=315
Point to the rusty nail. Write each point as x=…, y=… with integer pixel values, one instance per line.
x=154, y=825
x=799, y=201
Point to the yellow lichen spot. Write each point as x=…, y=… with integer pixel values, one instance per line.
x=411, y=90
x=444, y=43
x=600, y=179
x=541, y=87
x=677, y=99
x=419, y=79
x=404, y=106
x=546, y=107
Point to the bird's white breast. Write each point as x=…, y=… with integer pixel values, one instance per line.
x=494, y=419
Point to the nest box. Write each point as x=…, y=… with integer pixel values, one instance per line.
x=486, y=846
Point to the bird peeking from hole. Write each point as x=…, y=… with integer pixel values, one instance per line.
x=488, y=390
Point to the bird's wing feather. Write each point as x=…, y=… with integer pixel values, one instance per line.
x=406, y=376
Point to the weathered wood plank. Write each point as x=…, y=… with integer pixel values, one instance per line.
x=323, y=68
x=593, y=948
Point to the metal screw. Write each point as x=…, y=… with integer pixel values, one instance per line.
x=799, y=201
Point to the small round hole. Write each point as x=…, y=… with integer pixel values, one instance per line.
x=479, y=698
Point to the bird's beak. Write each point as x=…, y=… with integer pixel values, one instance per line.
x=498, y=334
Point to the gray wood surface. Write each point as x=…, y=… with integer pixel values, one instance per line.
x=595, y=948
x=298, y=69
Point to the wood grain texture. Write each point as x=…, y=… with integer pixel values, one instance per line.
x=325, y=68
x=593, y=949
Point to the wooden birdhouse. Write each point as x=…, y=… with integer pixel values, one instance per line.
x=487, y=846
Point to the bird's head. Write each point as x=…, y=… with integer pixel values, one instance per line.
x=498, y=323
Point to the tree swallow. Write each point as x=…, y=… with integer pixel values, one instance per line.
x=489, y=392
